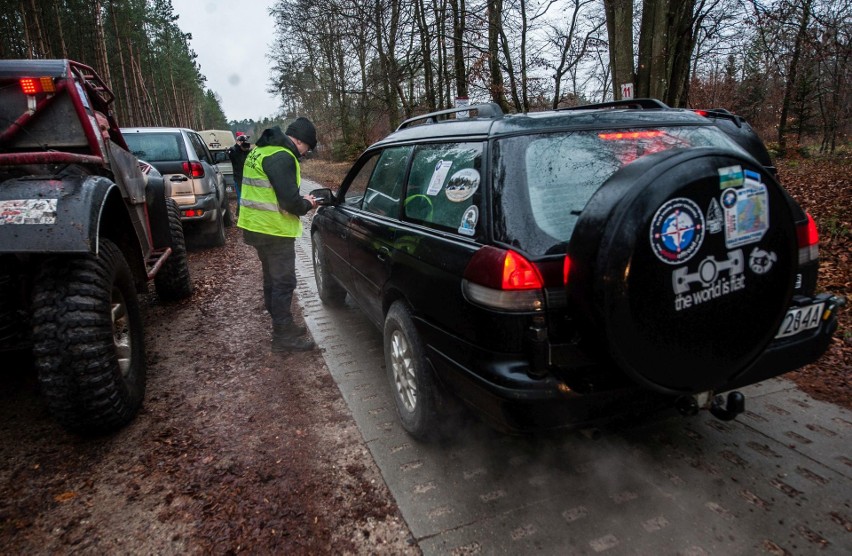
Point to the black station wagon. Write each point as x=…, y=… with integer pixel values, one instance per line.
x=560, y=268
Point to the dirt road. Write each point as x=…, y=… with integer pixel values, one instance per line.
x=236, y=449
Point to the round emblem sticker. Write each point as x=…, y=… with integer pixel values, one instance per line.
x=462, y=185
x=677, y=231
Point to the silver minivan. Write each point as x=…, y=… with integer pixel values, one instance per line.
x=193, y=179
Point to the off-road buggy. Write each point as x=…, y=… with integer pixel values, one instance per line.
x=84, y=226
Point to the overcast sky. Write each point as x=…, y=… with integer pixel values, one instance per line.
x=232, y=39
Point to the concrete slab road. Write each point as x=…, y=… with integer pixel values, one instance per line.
x=778, y=480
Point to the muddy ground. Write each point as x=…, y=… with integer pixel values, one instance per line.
x=236, y=449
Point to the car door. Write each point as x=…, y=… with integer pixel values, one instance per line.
x=332, y=224
x=441, y=230
x=373, y=228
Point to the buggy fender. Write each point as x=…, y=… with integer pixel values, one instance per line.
x=55, y=214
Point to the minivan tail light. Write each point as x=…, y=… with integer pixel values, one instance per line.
x=808, y=236
x=193, y=169
x=503, y=279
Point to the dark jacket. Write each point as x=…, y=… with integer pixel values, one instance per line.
x=280, y=168
x=238, y=159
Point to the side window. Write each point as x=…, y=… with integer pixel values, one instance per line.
x=444, y=187
x=358, y=184
x=385, y=186
x=200, y=148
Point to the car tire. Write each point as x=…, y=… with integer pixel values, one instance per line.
x=216, y=231
x=173, y=281
x=229, y=219
x=88, y=340
x=689, y=312
x=414, y=390
x=330, y=292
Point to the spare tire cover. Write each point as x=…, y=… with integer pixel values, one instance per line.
x=695, y=267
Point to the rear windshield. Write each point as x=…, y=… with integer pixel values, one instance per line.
x=156, y=147
x=542, y=182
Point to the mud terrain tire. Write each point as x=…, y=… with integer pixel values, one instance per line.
x=88, y=340
x=173, y=281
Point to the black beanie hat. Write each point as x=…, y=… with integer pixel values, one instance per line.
x=303, y=130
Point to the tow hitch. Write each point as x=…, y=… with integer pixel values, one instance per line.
x=727, y=412
x=723, y=409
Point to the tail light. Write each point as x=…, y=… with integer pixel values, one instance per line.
x=808, y=241
x=193, y=169
x=36, y=85
x=503, y=279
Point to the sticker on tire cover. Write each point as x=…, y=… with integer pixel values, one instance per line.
x=761, y=261
x=730, y=176
x=709, y=280
x=462, y=185
x=677, y=231
x=746, y=214
x=28, y=211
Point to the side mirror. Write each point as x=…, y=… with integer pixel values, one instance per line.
x=324, y=196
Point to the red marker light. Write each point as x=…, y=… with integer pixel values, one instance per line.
x=36, y=85
x=630, y=135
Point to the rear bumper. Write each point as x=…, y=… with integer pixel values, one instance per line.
x=499, y=388
x=205, y=203
x=510, y=401
x=788, y=354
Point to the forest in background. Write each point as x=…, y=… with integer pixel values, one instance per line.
x=136, y=46
x=358, y=68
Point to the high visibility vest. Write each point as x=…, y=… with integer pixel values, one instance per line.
x=259, y=210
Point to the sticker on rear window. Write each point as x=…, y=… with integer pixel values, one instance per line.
x=677, y=231
x=462, y=185
x=442, y=168
x=28, y=211
x=469, y=219
x=730, y=176
x=746, y=214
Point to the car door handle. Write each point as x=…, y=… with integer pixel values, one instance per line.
x=178, y=178
x=383, y=253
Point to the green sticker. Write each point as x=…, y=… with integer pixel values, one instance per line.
x=730, y=176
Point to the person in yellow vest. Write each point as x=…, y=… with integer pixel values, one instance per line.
x=270, y=207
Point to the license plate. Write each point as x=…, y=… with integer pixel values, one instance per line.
x=799, y=319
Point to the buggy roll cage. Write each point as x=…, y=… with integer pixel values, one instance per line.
x=58, y=79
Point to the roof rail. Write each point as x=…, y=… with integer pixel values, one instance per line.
x=488, y=110
x=640, y=103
